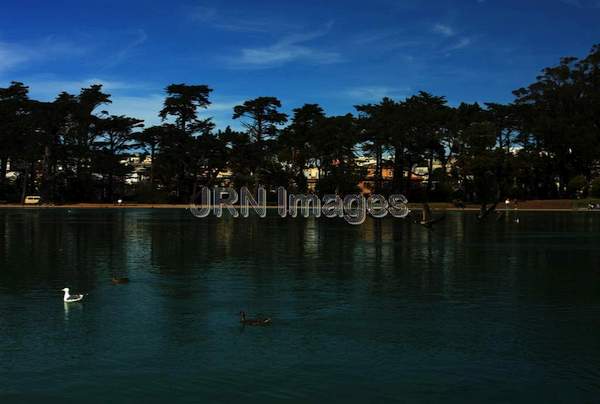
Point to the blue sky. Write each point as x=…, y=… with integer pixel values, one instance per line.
x=335, y=53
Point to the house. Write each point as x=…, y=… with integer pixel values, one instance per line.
x=140, y=166
x=312, y=178
x=369, y=164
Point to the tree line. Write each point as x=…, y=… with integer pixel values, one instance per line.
x=545, y=144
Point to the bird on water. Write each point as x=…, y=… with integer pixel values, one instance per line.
x=427, y=220
x=485, y=210
x=71, y=298
x=253, y=321
x=119, y=280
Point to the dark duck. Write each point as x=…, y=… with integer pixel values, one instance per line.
x=253, y=321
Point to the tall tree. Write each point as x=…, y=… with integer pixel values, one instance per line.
x=183, y=102
x=334, y=149
x=562, y=114
x=242, y=156
x=78, y=141
x=428, y=121
x=14, y=102
x=379, y=124
x=261, y=117
x=149, y=139
x=298, y=139
x=116, y=136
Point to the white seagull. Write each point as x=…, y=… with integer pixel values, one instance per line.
x=71, y=298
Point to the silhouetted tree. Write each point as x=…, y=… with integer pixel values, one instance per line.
x=298, y=142
x=261, y=118
x=14, y=116
x=115, y=137
x=379, y=124
x=177, y=152
x=334, y=149
x=427, y=123
x=149, y=139
x=562, y=115
x=545, y=144
x=183, y=102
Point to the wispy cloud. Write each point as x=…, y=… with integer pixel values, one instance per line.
x=460, y=44
x=369, y=37
x=203, y=14
x=452, y=39
x=11, y=56
x=52, y=45
x=144, y=107
x=221, y=106
x=444, y=30
x=138, y=38
x=387, y=40
x=289, y=48
x=221, y=111
x=375, y=93
x=582, y=3
x=229, y=21
x=18, y=54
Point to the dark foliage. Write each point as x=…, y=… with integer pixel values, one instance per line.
x=544, y=145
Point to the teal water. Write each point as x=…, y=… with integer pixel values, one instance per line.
x=383, y=312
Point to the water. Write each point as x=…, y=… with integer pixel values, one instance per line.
x=387, y=311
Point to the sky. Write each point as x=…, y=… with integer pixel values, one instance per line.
x=335, y=53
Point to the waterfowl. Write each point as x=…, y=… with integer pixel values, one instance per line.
x=119, y=281
x=253, y=321
x=71, y=298
x=485, y=210
x=427, y=220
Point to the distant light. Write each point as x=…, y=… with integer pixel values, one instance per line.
x=120, y=201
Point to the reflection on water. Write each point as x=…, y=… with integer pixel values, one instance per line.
x=71, y=307
x=379, y=312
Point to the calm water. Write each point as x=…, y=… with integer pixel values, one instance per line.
x=386, y=311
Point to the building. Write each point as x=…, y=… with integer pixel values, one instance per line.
x=140, y=168
x=369, y=164
x=312, y=178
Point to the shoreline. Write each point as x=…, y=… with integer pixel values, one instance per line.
x=527, y=206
